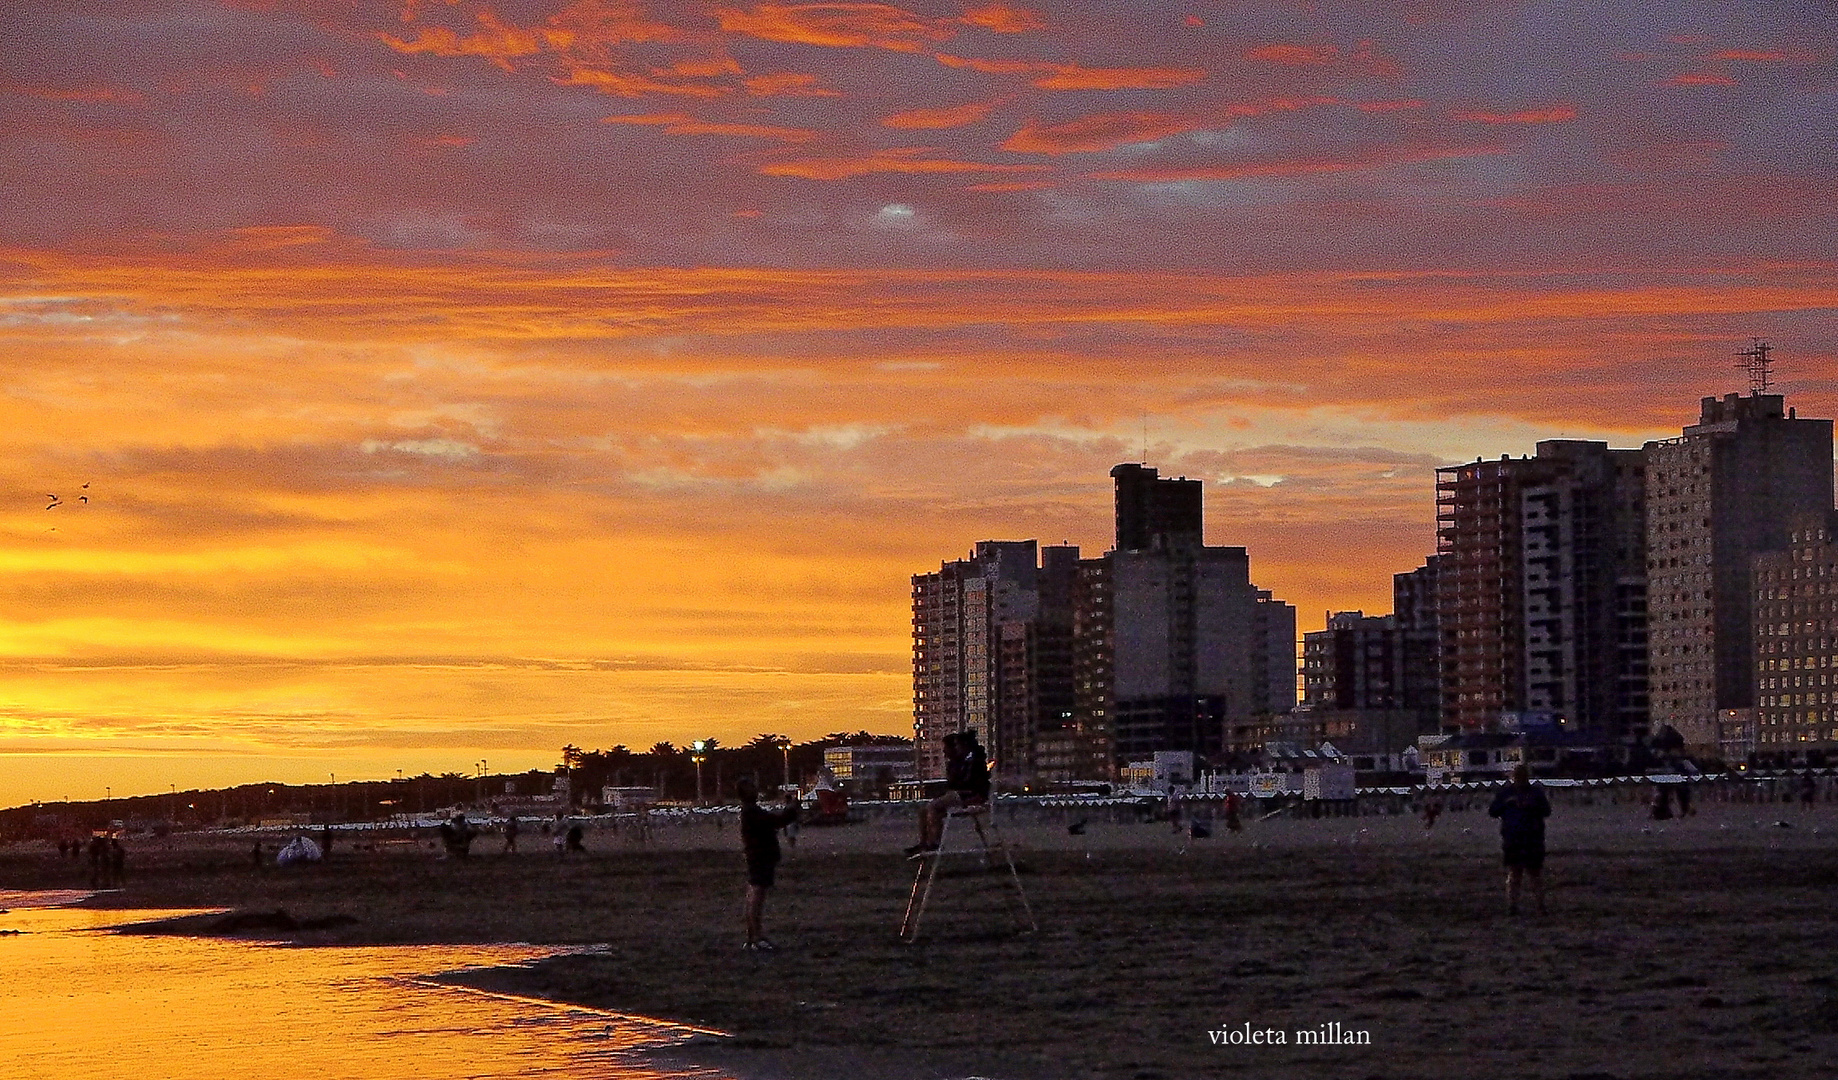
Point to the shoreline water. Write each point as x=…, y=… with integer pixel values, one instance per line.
x=1687, y=948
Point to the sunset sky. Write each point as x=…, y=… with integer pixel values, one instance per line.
x=454, y=381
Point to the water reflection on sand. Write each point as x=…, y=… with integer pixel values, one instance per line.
x=77, y=1002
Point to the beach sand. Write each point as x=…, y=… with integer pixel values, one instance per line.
x=1704, y=947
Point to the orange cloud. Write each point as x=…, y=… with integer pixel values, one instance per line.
x=625, y=84
x=1053, y=76
x=496, y=40
x=911, y=159
x=591, y=24
x=950, y=117
x=1365, y=57
x=700, y=68
x=1077, y=77
x=788, y=84
x=1701, y=78
x=1292, y=55
x=1002, y=19
x=880, y=26
x=679, y=124
x=1555, y=114
x=1090, y=134
x=95, y=92
x=1756, y=56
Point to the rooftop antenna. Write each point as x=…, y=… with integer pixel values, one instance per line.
x=1759, y=365
x=1145, y=438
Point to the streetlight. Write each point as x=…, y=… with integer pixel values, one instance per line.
x=698, y=750
x=785, y=745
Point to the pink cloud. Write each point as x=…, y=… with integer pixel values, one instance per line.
x=948, y=117
x=911, y=159
x=1001, y=19
x=1090, y=134
x=880, y=26
x=1554, y=114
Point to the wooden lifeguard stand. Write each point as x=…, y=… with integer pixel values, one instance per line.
x=982, y=817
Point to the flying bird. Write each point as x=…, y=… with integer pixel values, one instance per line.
x=55, y=501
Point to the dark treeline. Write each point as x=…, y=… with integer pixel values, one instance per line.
x=668, y=768
x=671, y=769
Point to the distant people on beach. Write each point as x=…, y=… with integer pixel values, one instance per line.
x=255, y=856
x=1432, y=809
x=966, y=784
x=1662, y=802
x=1233, y=806
x=1809, y=790
x=1522, y=807
x=456, y=837
x=510, y=834
x=325, y=840
x=1684, y=800
x=98, y=862
x=759, y=840
x=572, y=840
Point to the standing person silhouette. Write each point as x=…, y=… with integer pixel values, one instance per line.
x=759, y=838
x=1522, y=807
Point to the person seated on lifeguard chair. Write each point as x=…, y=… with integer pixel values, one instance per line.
x=966, y=785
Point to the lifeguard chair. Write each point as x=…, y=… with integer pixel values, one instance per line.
x=982, y=818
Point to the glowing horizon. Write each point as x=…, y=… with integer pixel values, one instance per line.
x=456, y=381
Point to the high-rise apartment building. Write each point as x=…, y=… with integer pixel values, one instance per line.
x=1357, y=662
x=1796, y=645
x=1584, y=571
x=1155, y=512
x=972, y=624
x=1068, y=667
x=1540, y=588
x=1173, y=644
x=1413, y=607
x=1273, y=645
x=1721, y=494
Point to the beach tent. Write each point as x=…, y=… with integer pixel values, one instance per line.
x=299, y=850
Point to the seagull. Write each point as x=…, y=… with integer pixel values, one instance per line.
x=83, y=498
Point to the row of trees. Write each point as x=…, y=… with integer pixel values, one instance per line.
x=769, y=759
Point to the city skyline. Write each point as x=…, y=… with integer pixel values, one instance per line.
x=459, y=381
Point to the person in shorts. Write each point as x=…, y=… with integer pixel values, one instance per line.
x=759, y=838
x=1522, y=807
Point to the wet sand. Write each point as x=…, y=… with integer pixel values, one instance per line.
x=1706, y=947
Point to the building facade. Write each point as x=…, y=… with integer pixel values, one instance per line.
x=1069, y=668
x=1413, y=608
x=1723, y=493
x=1540, y=587
x=1796, y=646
